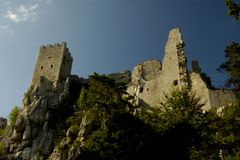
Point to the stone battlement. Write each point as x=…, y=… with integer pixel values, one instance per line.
x=63, y=44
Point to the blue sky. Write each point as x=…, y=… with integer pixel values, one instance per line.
x=106, y=36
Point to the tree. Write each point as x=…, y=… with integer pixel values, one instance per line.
x=232, y=52
x=232, y=65
x=112, y=132
x=181, y=106
x=13, y=115
x=233, y=8
x=229, y=132
x=179, y=120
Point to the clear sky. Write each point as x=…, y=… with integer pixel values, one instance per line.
x=106, y=36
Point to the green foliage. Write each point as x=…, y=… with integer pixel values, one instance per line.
x=176, y=129
x=180, y=106
x=179, y=121
x=232, y=65
x=233, y=9
x=114, y=133
x=228, y=131
x=82, y=98
x=220, y=132
x=1, y=132
x=73, y=131
x=102, y=93
x=3, y=154
x=234, y=156
x=29, y=94
x=121, y=136
x=13, y=115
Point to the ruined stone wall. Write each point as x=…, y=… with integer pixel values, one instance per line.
x=222, y=98
x=53, y=63
x=66, y=65
x=144, y=81
x=199, y=88
x=151, y=80
x=174, y=62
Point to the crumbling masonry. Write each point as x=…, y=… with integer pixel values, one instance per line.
x=151, y=80
x=53, y=66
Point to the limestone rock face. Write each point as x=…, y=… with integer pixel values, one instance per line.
x=70, y=146
x=36, y=126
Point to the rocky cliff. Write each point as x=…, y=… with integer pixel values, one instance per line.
x=41, y=121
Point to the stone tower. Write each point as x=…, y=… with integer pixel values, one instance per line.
x=151, y=80
x=174, y=61
x=53, y=65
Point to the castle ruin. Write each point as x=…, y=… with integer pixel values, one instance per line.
x=152, y=80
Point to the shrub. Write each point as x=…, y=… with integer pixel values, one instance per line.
x=13, y=115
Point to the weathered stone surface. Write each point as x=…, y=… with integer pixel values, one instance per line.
x=48, y=144
x=74, y=152
x=222, y=98
x=200, y=89
x=33, y=132
x=121, y=77
x=88, y=124
x=56, y=155
x=26, y=154
x=66, y=141
x=151, y=69
x=27, y=132
x=151, y=81
x=19, y=124
x=16, y=136
x=54, y=64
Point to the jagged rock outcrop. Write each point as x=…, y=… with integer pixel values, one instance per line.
x=35, y=128
x=70, y=146
x=41, y=122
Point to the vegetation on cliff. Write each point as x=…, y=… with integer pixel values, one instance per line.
x=106, y=126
